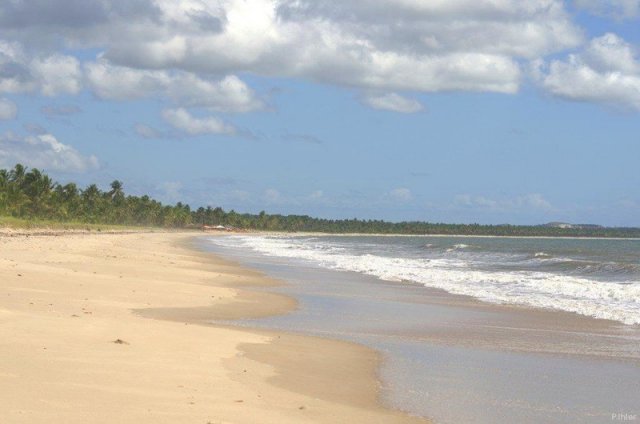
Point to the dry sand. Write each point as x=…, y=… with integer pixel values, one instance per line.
x=105, y=329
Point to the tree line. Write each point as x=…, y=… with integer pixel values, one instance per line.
x=31, y=194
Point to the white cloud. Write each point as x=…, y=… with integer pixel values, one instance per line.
x=49, y=74
x=229, y=94
x=65, y=15
x=606, y=71
x=386, y=45
x=121, y=83
x=393, y=102
x=8, y=109
x=43, y=151
x=14, y=69
x=184, y=121
x=401, y=194
x=618, y=9
x=528, y=201
x=57, y=74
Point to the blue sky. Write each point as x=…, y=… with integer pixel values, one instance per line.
x=460, y=111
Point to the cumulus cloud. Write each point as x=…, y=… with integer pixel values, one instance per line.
x=50, y=74
x=15, y=76
x=510, y=27
x=528, y=201
x=409, y=45
x=121, y=83
x=182, y=120
x=393, y=102
x=229, y=94
x=8, y=109
x=43, y=151
x=606, y=71
x=72, y=15
x=618, y=9
x=57, y=74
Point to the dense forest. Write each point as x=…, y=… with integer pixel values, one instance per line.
x=31, y=194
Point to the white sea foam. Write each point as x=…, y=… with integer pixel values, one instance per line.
x=457, y=247
x=618, y=301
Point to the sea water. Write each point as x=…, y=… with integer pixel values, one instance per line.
x=456, y=360
x=594, y=277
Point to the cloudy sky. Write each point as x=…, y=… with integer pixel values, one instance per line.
x=486, y=111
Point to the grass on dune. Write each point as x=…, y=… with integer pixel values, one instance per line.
x=34, y=224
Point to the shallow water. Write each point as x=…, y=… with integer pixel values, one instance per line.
x=455, y=359
x=593, y=277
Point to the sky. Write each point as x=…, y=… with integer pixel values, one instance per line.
x=487, y=111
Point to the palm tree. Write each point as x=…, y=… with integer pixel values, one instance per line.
x=37, y=187
x=16, y=175
x=67, y=201
x=91, y=200
x=116, y=192
x=117, y=211
x=4, y=185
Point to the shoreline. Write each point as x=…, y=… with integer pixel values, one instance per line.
x=45, y=231
x=308, y=234
x=449, y=356
x=75, y=351
x=515, y=320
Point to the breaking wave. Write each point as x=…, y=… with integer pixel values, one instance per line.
x=618, y=300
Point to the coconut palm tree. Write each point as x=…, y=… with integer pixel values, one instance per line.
x=4, y=183
x=38, y=187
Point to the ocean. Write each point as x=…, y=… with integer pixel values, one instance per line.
x=593, y=277
x=472, y=329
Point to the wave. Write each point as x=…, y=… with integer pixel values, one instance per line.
x=459, y=246
x=588, y=268
x=618, y=301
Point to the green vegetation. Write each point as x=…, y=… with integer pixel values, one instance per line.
x=32, y=195
x=34, y=224
x=29, y=197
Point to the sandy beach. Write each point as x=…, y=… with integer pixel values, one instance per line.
x=113, y=328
